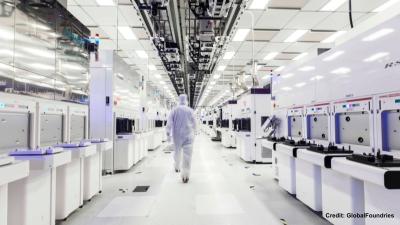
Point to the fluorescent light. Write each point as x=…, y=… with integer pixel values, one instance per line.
x=333, y=37
x=217, y=76
x=332, y=5
x=279, y=69
x=6, y=52
x=127, y=33
x=307, y=68
x=229, y=55
x=378, y=34
x=72, y=66
x=376, y=56
x=318, y=77
x=162, y=82
x=6, y=35
x=212, y=82
x=152, y=67
x=158, y=76
x=385, y=5
x=40, y=26
x=258, y=4
x=288, y=75
x=341, y=70
x=301, y=84
x=300, y=56
x=296, y=35
x=241, y=34
x=286, y=88
x=39, y=52
x=105, y=2
x=333, y=56
x=6, y=67
x=221, y=68
x=42, y=66
x=38, y=77
x=59, y=82
x=271, y=56
x=22, y=80
x=142, y=54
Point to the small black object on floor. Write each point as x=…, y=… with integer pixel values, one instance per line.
x=141, y=189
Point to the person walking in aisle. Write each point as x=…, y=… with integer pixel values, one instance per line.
x=181, y=126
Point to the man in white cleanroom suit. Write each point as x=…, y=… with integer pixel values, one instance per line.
x=182, y=126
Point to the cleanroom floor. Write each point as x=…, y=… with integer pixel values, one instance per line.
x=223, y=190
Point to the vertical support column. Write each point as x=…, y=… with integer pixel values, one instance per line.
x=101, y=95
x=101, y=117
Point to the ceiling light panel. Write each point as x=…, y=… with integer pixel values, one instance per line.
x=285, y=76
x=142, y=54
x=271, y=56
x=378, y=34
x=301, y=84
x=296, y=35
x=127, y=33
x=307, y=68
x=221, y=68
x=332, y=5
x=229, y=55
x=385, y=5
x=376, y=56
x=341, y=70
x=302, y=55
x=241, y=34
x=333, y=37
x=333, y=56
x=152, y=67
x=105, y=2
x=258, y=4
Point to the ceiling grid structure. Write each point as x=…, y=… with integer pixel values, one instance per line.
x=273, y=26
x=137, y=49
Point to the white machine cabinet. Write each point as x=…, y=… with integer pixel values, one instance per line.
x=126, y=151
x=71, y=179
x=83, y=170
x=10, y=171
x=296, y=123
x=388, y=124
x=318, y=123
x=381, y=183
x=287, y=152
x=103, y=146
x=39, y=187
x=310, y=163
x=270, y=144
x=380, y=192
x=255, y=109
x=353, y=124
x=228, y=136
x=352, y=128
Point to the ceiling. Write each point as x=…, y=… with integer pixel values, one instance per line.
x=105, y=20
x=273, y=25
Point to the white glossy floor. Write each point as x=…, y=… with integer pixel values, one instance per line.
x=222, y=190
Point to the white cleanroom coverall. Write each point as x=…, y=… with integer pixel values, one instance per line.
x=182, y=126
